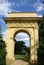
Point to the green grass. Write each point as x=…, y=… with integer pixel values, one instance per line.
x=23, y=57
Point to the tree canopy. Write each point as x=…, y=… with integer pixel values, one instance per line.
x=21, y=48
x=40, y=50
x=2, y=50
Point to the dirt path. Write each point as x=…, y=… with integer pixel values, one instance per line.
x=20, y=62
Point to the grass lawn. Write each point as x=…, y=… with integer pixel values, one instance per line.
x=23, y=57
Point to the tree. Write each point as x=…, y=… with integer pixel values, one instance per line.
x=2, y=50
x=19, y=46
x=28, y=50
x=41, y=30
x=40, y=50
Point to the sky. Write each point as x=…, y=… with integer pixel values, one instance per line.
x=19, y=6
x=22, y=36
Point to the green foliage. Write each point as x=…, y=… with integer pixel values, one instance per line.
x=22, y=57
x=21, y=48
x=40, y=50
x=2, y=51
x=40, y=54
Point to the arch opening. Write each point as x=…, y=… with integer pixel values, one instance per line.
x=22, y=45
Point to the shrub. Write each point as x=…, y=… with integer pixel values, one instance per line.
x=40, y=54
x=2, y=52
x=40, y=50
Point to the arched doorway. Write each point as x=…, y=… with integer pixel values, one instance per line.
x=22, y=45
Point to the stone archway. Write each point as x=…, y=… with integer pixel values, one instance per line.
x=24, y=39
x=17, y=22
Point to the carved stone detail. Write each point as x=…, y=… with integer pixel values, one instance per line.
x=22, y=25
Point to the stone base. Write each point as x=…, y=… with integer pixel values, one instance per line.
x=33, y=62
x=9, y=61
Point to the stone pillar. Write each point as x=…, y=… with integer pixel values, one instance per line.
x=32, y=58
x=34, y=45
x=36, y=34
x=10, y=46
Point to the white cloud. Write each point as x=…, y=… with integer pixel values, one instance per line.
x=23, y=39
x=16, y=10
x=5, y=7
x=3, y=33
x=4, y=37
x=39, y=15
x=22, y=36
x=39, y=6
x=21, y=3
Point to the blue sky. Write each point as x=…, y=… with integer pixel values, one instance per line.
x=19, y=6
x=22, y=36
